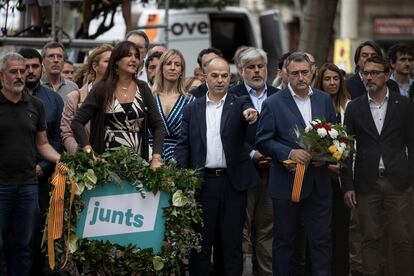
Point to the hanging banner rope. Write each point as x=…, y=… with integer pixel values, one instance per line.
x=56, y=210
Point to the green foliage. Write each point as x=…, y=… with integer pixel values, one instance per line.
x=104, y=258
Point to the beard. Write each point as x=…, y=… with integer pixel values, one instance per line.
x=32, y=84
x=13, y=88
x=256, y=84
x=371, y=87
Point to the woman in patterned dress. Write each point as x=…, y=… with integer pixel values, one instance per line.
x=170, y=97
x=121, y=110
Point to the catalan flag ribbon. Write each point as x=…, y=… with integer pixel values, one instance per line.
x=298, y=181
x=56, y=210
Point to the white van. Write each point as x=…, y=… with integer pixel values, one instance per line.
x=192, y=30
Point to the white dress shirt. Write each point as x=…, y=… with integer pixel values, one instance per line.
x=378, y=112
x=257, y=103
x=215, y=154
x=303, y=104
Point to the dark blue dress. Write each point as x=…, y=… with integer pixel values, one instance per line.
x=172, y=124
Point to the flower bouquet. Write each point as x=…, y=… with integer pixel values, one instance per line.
x=325, y=141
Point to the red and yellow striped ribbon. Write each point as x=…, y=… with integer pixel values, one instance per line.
x=298, y=181
x=56, y=210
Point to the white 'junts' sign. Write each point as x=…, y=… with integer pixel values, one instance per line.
x=120, y=214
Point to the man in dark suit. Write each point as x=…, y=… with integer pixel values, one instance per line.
x=203, y=58
x=382, y=124
x=354, y=84
x=213, y=140
x=292, y=107
x=258, y=227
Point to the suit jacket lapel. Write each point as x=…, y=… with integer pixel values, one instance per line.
x=201, y=105
x=228, y=103
x=291, y=104
x=391, y=106
x=314, y=107
x=243, y=90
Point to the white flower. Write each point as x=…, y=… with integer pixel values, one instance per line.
x=72, y=243
x=308, y=128
x=80, y=187
x=90, y=179
x=158, y=263
x=179, y=199
x=315, y=122
x=336, y=143
x=333, y=133
x=322, y=132
x=343, y=145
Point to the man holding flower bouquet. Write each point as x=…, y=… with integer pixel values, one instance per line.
x=283, y=116
x=380, y=184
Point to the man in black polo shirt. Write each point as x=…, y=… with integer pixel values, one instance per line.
x=22, y=132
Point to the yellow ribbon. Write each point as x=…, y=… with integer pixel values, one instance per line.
x=56, y=211
x=298, y=181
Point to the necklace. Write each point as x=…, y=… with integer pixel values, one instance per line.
x=124, y=91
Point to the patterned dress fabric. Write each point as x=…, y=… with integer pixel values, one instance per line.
x=172, y=124
x=123, y=125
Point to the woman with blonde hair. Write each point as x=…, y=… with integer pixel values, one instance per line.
x=87, y=76
x=171, y=97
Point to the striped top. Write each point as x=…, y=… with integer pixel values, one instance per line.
x=172, y=124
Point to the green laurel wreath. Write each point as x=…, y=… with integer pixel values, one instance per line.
x=88, y=257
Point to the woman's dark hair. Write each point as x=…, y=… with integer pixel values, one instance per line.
x=110, y=79
x=343, y=95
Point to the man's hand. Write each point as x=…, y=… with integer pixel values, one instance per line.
x=39, y=171
x=350, y=199
x=250, y=115
x=300, y=156
x=334, y=168
x=261, y=160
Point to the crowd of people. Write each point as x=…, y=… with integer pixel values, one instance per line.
x=237, y=131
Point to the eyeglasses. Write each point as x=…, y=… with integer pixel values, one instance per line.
x=373, y=73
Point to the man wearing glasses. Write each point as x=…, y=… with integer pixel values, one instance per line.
x=53, y=54
x=290, y=108
x=379, y=183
